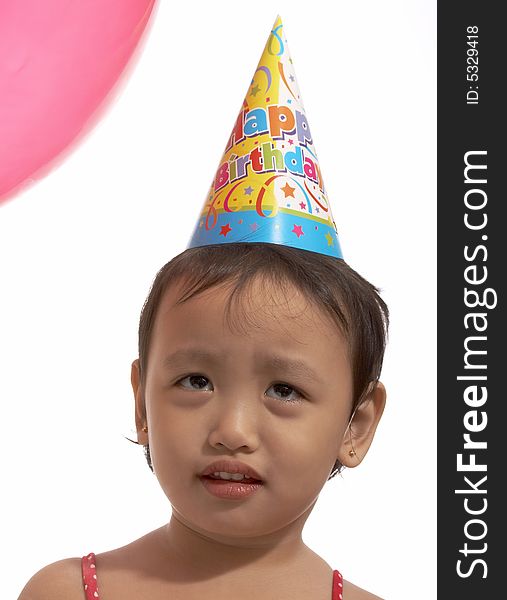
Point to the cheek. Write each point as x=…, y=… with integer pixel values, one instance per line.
x=305, y=452
x=175, y=445
x=315, y=463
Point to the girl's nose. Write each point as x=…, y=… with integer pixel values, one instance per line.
x=235, y=424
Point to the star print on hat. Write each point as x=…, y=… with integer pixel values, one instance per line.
x=268, y=186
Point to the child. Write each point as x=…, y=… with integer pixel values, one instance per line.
x=257, y=379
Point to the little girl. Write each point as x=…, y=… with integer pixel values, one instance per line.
x=257, y=380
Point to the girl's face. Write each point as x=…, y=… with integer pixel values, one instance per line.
x=244, y=401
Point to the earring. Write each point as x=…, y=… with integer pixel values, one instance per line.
x=145, y=428
x=352, y=452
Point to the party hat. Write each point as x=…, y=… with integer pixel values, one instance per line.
x=268, y=186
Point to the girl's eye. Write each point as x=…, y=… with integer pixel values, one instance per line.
x=195, y=380
x=286, y=394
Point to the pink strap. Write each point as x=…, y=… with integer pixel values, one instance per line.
x=337, y=585
x=90, y=577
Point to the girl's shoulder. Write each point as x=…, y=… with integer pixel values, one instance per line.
x=60, y=580
x=63, y=579
x=353, y=592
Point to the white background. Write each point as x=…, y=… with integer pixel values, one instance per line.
x=79, y=250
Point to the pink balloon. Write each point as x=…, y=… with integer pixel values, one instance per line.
x=59, y=62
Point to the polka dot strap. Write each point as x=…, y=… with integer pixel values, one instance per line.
x=90, y=577
x=337, y=586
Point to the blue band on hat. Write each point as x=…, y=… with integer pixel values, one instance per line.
x=287, y=229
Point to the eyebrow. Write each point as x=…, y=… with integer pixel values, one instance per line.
x=296, y=367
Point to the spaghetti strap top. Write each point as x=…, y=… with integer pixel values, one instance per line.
x=91, y=587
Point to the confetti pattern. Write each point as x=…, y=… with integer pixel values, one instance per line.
x=92, y=591
x=268, y=186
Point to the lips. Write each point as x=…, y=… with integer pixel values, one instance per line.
x=231, y=466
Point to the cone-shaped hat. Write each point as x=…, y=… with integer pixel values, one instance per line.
x=268, y=186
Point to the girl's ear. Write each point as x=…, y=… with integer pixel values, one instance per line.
x=361, y=429
x=140, y=410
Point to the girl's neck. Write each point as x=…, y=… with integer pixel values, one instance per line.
x=211, y=554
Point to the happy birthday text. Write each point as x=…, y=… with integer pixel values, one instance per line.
x=280, y=122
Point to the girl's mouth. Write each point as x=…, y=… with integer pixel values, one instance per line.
x=230, y=489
